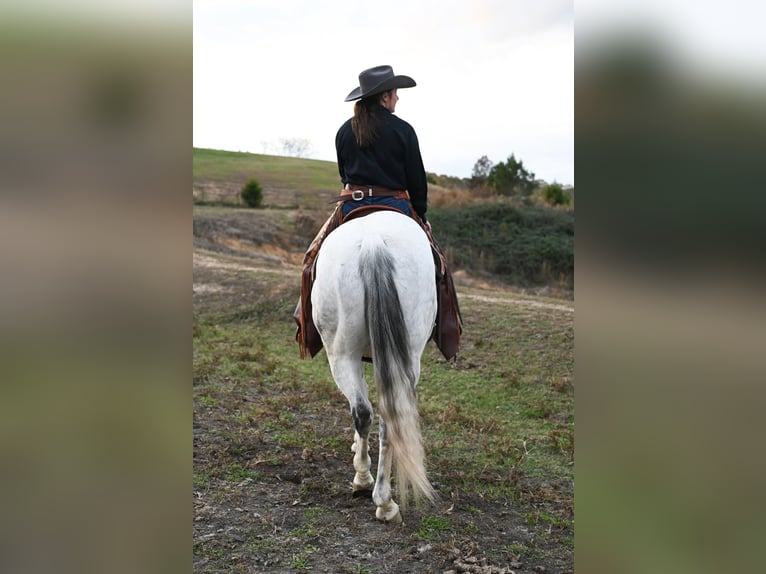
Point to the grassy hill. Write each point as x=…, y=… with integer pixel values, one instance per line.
x=288, y=182
x=523, y=244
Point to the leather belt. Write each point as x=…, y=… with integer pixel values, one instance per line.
x=359, y=192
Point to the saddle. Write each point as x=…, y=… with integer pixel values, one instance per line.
x=449, y=321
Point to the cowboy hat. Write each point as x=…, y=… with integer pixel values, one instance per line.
x=376, y=80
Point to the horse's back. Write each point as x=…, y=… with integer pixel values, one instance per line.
x=399, y=232
x=393, y=232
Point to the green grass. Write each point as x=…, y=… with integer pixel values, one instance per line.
x=432, y=526
x=524, y=552
x=502, y=417
x=237, y=473
x=510, y=409
x=303, y=175
x=300, y=562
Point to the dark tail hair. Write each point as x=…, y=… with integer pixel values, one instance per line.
x=394, y=375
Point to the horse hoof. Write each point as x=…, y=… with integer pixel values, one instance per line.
x=389, y=513
x=363, y=481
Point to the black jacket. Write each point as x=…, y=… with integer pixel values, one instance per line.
x=393, y=161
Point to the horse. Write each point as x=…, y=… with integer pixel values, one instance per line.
x=374, y=296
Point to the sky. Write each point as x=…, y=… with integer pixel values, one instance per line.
x=494, y=77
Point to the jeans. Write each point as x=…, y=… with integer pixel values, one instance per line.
x=400, y=204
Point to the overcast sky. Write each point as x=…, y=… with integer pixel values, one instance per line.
x=495, y=77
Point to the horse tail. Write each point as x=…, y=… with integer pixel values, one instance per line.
x=395, y=377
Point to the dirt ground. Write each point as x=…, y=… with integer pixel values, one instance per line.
x=265, y=504
x=293, y=511
x=265, y=526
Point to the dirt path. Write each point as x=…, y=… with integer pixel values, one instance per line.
x=212, y=262
x=519, y=301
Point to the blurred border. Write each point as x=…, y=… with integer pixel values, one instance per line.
x=95, y=168
x=670, y=140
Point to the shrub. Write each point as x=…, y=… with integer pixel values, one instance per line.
x=523, y=245
x=252, y=193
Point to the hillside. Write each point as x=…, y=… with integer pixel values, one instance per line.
x=520, y=243
x=288, y=182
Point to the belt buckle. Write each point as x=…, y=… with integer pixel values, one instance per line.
x=356, y=197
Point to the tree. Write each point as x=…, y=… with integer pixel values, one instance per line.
x=554, y=194
x=296, y=147
x=252, y=193
x=511, y=178
x=481, y=170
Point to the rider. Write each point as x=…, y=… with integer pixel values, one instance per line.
x=378, y=153
x=379, y=164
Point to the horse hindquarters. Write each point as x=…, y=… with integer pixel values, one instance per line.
x=375, y=289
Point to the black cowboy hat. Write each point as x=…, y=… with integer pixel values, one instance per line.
x=376, y=80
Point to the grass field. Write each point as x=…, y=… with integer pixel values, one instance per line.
x=272, y=434
x=286, y=181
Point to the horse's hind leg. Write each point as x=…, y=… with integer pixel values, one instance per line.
x=349, y=376
x=362, y=415
x=388, y=510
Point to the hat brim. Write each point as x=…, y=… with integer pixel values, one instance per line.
x=388, y=84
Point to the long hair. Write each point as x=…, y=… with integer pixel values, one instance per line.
x=364, y=124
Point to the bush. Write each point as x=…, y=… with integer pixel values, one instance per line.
x=252, y=193
x=522, y=245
